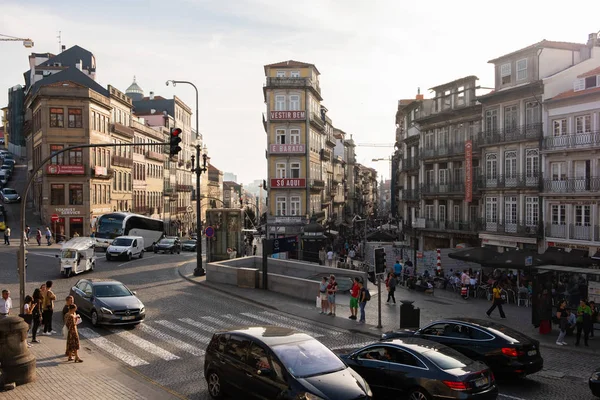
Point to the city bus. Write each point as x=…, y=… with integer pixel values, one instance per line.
x=110, y=226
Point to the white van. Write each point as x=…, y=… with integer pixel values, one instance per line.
x=126, y=246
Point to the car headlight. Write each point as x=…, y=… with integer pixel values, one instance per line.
x=368, y=389
x=142, y=310
x=309, y=396
x=105, y=310
x=595, y=376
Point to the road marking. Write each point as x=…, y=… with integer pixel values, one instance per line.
x=184, y=331
x=137, y=259
x=510, y=397
x=111, y=348
x=145, y=345
x=180, y=344
x=207, y=328
x=42, y=254
x=271, y=322
x=240, y=320
x=218, y=323
x=303, y=325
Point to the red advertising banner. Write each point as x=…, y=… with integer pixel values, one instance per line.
x=287, y=149
x=469, y=171
x=293, y=115
x=288, y=183
x=56, y=169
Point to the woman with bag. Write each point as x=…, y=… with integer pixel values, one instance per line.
x=496, y=301
x=27, y=313
x=561, y=315
x=391, y=287
x=322, y=297
x=36, y=314
x=72, y=320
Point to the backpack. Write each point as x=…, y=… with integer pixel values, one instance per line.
x=367, y=295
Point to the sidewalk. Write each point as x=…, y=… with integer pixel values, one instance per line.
x=442, y=304
x=96, y=378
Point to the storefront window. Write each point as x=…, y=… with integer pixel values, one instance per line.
x=57, y=159
x=75, y=194
x=57, y=194
x=76, y=226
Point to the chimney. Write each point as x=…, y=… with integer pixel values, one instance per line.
x=419, y=95
x=63, y=48
x=593, y=40
x=151, y=95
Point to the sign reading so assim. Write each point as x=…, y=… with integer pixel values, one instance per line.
x=288, y=183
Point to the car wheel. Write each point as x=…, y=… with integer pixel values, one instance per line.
x=141, y=253
x=155, y=251
x=129, y=257
x=93, y=266
x=171, y=251
x=94, y=319
x=108, y=257
x=419, y=394
x=214, y=385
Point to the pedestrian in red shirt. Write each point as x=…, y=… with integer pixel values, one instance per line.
x=354, y=292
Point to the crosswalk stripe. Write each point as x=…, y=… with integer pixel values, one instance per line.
x=217, y=322
x=239, y=320
x=180, y=344
x=145, y=345
x=197, y=324
x=184, y=331
x=303, y=325
x=271, y=322
x=110, y=347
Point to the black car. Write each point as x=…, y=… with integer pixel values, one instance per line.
x=419, y=369
x=189, y=245
x=107, y=302
x=272, y=362
x=505, y=350
x=168, y=245
x=595, y=383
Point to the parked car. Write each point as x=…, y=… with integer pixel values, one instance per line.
x=7, y=168
x=168, y=245
x=9, y=195
x=189, y=245
x=3, y=178
x=595, y=382
x=126, y=247
x=272, y=362
x=107, y=302
x=419, y=369
x=503, y=349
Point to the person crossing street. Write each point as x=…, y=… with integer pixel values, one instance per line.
x=496, y=301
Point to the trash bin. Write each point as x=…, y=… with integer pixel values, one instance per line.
x=410, y=316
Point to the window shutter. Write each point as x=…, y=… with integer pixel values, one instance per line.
x=579, y=84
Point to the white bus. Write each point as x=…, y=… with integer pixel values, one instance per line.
x=110, y=226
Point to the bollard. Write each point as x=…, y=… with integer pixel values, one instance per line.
x=16, y=361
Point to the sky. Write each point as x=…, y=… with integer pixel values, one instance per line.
x=370, y=55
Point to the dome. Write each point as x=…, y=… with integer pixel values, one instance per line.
x=135, y=91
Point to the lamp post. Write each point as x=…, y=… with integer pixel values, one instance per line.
x=199, y=270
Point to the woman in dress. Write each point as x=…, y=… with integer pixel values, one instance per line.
x=72, y=336
x=36, y=314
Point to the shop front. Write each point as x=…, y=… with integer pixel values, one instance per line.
x=591, y=250
x=505, y=243
x=70, y=220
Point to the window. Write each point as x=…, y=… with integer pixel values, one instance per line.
x=590, y=82
x=491, y=209
x=294, y=136
x=294, y=102
x=59, y=158
x=511, y=118
x=280, y=170
x=491, y=166
x=582, y=215
x=559, y=127
x=510, y=164
x=559, y=171
x=443, y=141
x=57, y=118
x=532, y=211
x=456, y=214
x=429, y=211
x=532, y=163
x=75, y=118
x=75, y=194
x=281, y=74
x=491, y=121
x=295, y=74
x=295, y=205
x=75, y=157
x=258, y=359
x=295, y=170
x=430, y=177
x=280, y=136
x=460, y=96
x=57, y=194
x=401, y=357
x=559, y=214
x=429, y=140
x=280, y=102
x=237, y=348
x=280, y=203
x=522, y=69
x=443, y=176
x=532, y=113
x=442, y=213
x=510, y=210
x=505, y=73
x=583, y=124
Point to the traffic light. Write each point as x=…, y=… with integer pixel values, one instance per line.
x=174, y=141
x=379, y=261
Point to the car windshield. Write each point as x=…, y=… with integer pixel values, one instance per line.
x=122, y=242
x=166, y=241
x=447, y=358
x=68, y=253
x=10, y=191
x=109, y=227
x=189, y=242
x=308, y=358
x=111, y=290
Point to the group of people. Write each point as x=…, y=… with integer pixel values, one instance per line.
x=27, y=235
x=582, y=321
x=38, y=310
x=359, y=295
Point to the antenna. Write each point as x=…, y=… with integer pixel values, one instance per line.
x=59, y=37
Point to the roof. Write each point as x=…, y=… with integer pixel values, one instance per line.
x=159, y=103
x=231, y=183
x=544, y=44
x=572, y=93
x=70, y=58
x=134, y=88
x=455, y=82
x=291, y=64
x=79, y=243
x=594, y=72
x=271, y=335
x=70, y=75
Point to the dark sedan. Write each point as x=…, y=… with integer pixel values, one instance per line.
x=107, y=302
x=188, y=245
x=505, y=350
x=168, y=245
x=595, y=383
x=419, y=369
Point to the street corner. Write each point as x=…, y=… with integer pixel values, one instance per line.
x=186, y=271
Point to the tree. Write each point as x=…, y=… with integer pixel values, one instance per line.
x=249, y=218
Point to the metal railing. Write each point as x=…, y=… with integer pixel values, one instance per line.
x=294, y=82
x=410, y=163
x=572, y=141
x=446, y=150
x=523, y=181
x=514, y=228
x=463, y=226
x=573, y=232
x=436, y=188
x=510, y=134
x=410, y=194
x=572, y=185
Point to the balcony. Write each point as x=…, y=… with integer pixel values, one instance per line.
x=410, y=195
x=448, y=150
x=410, y=163
x=102, y=173
x=511, y=134
x=572, y=185
x=124, y=162
x=325, y=155
x=294, y=83
x=122, y=130
x=434, y=189
x=316, y=120
x=168, y=191
x=516, y=228
x=317, y=185
x=330, y=140
x=573, y=232
x=153, y=155
x=515, y=181
x=584, y=141
x=184, y=188
x=461, y=226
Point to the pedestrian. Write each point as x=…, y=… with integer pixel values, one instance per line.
x=65, y=330
x=5, y=303
x=323, y=295
x=36, y=314
x=322, y=256
x=594, y=317
x=562, y=315
x=48, y=235
x=354, y=293
x=330, y=257
x=38, y=237
x=48, y=309
x=496, y=300
x=72, y=320
x=76, y=234
x=332, y=287
x=584, y=320
x=398, y=269
x=391, y=287
x=254, y=250
x=7, y=236
x=27, y=233
x=27, y=314
x=364, y=296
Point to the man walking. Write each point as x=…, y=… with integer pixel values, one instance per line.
x=38, y=237
x=5, y=303
x=7, y=236
x=331, y=291
x=354, y=293
x=330, y=258
x=497, y=301
x=48, y=309
x=584, y=320
x=48, y=236
x=362, y=302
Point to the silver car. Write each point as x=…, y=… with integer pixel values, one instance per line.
x=9, y=195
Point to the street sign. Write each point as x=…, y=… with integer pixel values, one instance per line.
x=419, y=254
x=284, y=244
x=528, y=261
x=54, y=218
x=209, y=231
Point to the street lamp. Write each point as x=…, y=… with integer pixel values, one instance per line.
x=199, y=270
